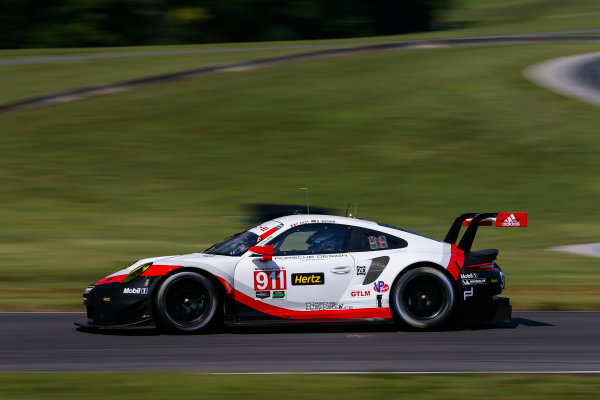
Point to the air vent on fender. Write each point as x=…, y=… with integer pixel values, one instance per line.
x=378, y=264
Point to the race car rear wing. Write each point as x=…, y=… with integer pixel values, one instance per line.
x=474, y=220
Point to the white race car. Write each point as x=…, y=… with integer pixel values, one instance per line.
x=311, y=267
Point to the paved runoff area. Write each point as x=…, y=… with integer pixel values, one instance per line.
x=589, y=249
x=574, y=76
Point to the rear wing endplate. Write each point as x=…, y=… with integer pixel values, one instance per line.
x=473, y=220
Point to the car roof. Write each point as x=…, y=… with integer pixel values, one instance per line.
x=301, y=219
x=322, y=218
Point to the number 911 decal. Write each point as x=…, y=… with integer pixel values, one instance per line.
x=269, y=279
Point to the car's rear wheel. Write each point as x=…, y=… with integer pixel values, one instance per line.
x=187, y=302
x=423, y=298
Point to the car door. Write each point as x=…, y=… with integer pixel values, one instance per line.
x=310, y=271
x=370, y=250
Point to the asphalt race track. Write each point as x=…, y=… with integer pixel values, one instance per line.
x=533, y=342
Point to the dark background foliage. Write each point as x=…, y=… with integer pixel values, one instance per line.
x=71, y=23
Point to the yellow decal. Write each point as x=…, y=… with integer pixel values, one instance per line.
x=315, y=278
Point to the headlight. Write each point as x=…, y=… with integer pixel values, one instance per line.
x=136, y=272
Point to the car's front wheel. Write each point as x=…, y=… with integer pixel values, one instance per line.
x=423, y=298
x=187, y=302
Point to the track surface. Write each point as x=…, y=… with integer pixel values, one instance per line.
x=534, y=341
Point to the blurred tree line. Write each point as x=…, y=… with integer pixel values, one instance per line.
x=69, y=23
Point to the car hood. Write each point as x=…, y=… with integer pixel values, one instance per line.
x=185, y=259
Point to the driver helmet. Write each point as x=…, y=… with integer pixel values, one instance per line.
x=319, y=237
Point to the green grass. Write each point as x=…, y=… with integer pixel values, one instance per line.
x=160, y=385
x=495, y=17
x=469, y=18
x=10, y=54
x=92, y=185
x=28, y=80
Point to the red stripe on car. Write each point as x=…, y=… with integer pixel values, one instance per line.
x=457, y=259
x=160, y=270
x=227, y=285
x=154, y=270
x=479, y=265
x=269, y=232
x=325, y=314
x=111, y=279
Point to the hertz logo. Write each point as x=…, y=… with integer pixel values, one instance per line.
x=308, y=279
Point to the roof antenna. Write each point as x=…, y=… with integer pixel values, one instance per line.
x=347, y=208
x=307, y=203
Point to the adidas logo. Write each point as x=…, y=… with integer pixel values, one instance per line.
x=511, y=221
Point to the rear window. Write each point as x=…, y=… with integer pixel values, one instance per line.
x=363, y=239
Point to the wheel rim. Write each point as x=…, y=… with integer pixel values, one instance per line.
x=424, y=297
x=187, y=302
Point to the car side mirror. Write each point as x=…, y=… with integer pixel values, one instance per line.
x=265, y=251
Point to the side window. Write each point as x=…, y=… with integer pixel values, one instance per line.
x=312, y=239
x=369, y=240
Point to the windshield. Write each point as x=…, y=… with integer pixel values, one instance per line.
x=235, y=245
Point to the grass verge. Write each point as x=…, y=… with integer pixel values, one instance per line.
x=29, y=80
x=155, y=385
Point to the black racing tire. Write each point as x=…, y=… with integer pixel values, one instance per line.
x=423, y=298
x=187, y=302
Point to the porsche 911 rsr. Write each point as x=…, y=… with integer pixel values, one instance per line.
x=311, y=268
